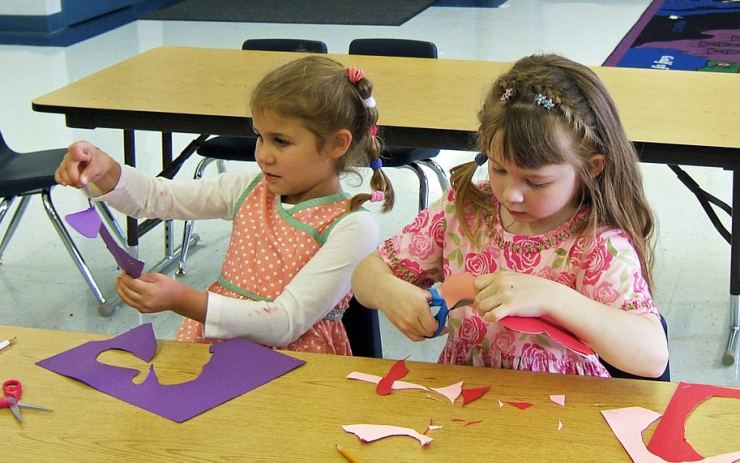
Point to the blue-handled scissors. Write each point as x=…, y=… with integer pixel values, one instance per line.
x=441, y=315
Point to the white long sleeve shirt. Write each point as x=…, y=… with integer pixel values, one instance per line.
x=308, y=298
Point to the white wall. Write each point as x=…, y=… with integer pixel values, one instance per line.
x=30, y=7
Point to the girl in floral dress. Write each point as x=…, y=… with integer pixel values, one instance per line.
x=296, y=236
x=561, y=230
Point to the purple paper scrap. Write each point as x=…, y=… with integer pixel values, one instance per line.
x=125, y=261
x=236, y=366
x=87, y=222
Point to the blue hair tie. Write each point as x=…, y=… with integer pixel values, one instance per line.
x=481, y=159
x=376, y=164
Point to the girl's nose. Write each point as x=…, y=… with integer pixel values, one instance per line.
x=513, y=194
x=262, y=154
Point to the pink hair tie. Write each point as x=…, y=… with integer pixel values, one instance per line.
x=355, y=74
x=373, y=132
x=377, y=196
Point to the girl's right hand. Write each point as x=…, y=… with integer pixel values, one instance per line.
x=84, y=163
x=409, y=312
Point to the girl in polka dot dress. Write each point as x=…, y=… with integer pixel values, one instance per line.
x=296, y=236
x=561, y=230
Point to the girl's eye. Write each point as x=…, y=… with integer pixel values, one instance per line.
x=280, y=142
x=498, y=171
x=536, y=186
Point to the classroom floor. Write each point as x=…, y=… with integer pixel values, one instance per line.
x=40, y=287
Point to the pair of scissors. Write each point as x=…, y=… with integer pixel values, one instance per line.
x=12, y=393
x=458, y=289
x=441, y=315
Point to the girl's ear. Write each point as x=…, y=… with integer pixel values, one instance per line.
x=598, y=162
x=339, y=143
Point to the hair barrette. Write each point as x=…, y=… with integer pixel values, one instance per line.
x=542, y=100
x=376, y=164
x=373, y=131
x=506, y=95
x=355, y=74
x=368, y=102
x=481, y=159
x=377, y=196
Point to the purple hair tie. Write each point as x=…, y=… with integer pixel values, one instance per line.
x=376, y=164
x=481, y=159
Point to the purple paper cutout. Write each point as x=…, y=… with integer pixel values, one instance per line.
x=125, y=261
x=89, y=224
x=236, y=366
x=86, y=222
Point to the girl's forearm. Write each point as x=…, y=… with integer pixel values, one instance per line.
x=192, y=304
x=368, y=279
x=631, y=342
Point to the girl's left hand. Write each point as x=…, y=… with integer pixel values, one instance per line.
x=151, y=292
x=507, y=293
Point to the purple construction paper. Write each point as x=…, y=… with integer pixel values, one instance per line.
x=236, y=366
x=86, y=222
x=125, y=261
x=89, y=224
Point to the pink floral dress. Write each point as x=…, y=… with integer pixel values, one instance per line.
x=605, y=268
x=265, y=234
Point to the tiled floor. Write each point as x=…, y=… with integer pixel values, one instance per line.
x=39, y=285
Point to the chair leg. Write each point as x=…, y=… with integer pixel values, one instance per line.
x=187, y=229
x=437, y=169
x=13, y=222
x=423, y=184
x=70, y=245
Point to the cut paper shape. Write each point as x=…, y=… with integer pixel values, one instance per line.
x=669, y=439
x=236, y=366
x=538, y=325
x=560, y=425
x=125, y=261
x=89, y=224
x=86, y=222
x=375, y=379
x=519, y=405
x=373, y=432
x=627, y=424
x=500, y=404
x=558, y=399
x=397, y=371
x=458, y=287
x=472, y=422
x=452, y=392
x=473, y=393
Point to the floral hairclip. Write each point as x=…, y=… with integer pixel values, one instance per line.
x=542, y=100
x=506, y=95
x=355, y=74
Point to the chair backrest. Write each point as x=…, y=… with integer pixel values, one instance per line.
x=295, y=45
x=363, y=330
x=666, y=376
x=393, y=47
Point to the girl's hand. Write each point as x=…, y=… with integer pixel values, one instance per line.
x=151, y=292
x=507, y=293
x=84, y=163
x=409, y=311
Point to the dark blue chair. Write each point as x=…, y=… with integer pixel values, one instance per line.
x=363, y=330
x=23, y=175
x=229, y=148
x=395, y=156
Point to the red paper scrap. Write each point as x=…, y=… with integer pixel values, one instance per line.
x=473, y=393
x=537, y=325
x=519, y=405
x=669, y=440
x=471, y=422
x=397, y=371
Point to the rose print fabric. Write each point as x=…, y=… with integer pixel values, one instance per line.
x=268, y=246
x=603, y=266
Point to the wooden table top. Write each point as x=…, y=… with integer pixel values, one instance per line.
x=693, y=109
x=298, y=416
